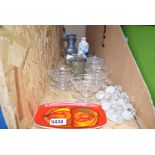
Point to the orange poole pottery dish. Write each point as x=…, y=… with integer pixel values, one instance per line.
x=70, y=115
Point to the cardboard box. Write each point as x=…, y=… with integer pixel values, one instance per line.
x=125, y=71
x=27, y=52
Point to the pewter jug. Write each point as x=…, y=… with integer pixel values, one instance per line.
x=70, y=48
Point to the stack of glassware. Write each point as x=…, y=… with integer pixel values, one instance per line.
x=87, y=76
x=61, y=77
x=85, y=84
x=95, y=74
x=96, y=67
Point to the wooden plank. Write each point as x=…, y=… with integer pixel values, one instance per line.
x=27, y=52
x=5, y=103
x=26, y=55
x=18, y=92
x=17, y=38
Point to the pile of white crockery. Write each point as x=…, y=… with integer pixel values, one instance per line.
x=116, y=103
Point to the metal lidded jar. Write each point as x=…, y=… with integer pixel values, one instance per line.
x=77, y=64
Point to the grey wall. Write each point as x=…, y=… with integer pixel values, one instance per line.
x=80, y=30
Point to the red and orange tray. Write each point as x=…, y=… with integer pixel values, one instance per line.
x=70, y=115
